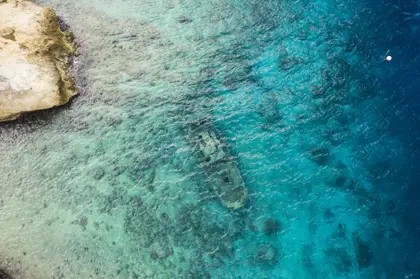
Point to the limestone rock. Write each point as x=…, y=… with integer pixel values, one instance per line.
x=34, y=59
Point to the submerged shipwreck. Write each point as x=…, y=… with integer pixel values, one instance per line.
x=220, y=167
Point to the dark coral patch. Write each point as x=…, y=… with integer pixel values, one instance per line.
x=320, y=155
x=267, y=254
x=272, y=227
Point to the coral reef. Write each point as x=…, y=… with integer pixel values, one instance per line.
x=267, y=254
x=320, y=155
x=272, y=227
x=364, y=253
x=34, y=59
x=340, y=259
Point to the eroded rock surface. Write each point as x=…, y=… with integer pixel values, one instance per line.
x=34, y=59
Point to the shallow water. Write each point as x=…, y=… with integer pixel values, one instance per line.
x=323, y=130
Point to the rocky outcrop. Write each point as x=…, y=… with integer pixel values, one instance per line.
x=34, y=59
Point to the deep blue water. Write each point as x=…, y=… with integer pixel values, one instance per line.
x=402, y=91
x=397, y=28
x=380, y=124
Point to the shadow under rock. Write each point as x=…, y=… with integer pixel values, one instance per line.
x=31, y=121
x=4, y=274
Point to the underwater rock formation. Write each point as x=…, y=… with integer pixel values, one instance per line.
x=34, y=59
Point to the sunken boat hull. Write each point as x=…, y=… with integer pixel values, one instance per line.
x=223, y=173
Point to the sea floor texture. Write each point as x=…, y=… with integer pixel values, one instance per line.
x=324, y=131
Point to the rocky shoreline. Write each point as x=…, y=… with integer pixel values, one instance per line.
x=35, y=56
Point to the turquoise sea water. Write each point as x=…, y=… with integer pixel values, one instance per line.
x=323, y=130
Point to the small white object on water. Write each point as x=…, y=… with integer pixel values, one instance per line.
x=388, y=58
